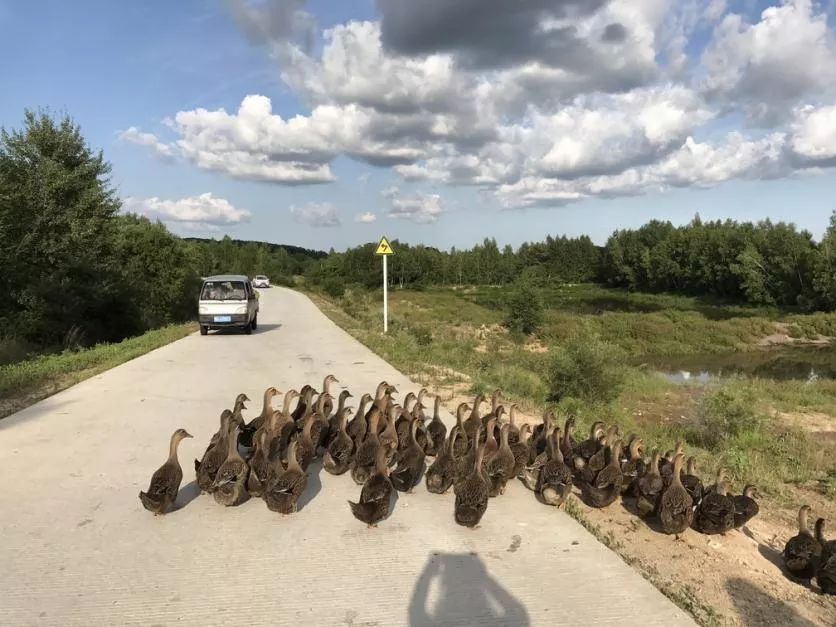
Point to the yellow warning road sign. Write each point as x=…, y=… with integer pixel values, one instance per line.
x=384, y=248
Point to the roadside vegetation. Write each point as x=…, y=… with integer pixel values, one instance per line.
x=588, y=356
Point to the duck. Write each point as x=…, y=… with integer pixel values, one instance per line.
x=715, y=513
x=259, y=464
x=649, y=488
x=462, y=442
x=472, y=491
x=514, y=430
x=692, y=482
x=474, y=421
x=337, y=457
x=826, y=566
x=520, y=448
x=364, y=458
x=334, y=419
x=328, y=406
x=555, y=481
x=666, y=463
x=282, y=492
x=676, y=508
x=230, y=485
x=588, y=447
x=439, y=476
x=745, y=506
x=633, y=467
x=409, y=462
x=607, y=485
x=358, y=424
x=246, y=437
x=306, y=394
x=226, y=416
x=207, y=469
x=375, y=495
x=800, y=550
x=500, y=467
x=165, y=482
x=436, y=430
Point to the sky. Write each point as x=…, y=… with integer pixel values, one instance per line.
x=329, y=123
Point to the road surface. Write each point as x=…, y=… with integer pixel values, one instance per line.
x=77, y=548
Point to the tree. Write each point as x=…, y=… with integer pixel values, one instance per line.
x=525, y=310
x=56, y=235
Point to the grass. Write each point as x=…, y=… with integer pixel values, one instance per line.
x=23, y=383
x=453, y=338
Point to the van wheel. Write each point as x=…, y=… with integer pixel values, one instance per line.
x=255, y=322
x=204, y=329
x=248, y=329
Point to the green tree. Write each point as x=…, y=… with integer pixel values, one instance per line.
x=525, y=310
x=56, y=236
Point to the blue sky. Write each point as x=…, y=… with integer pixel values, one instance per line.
x=115, y=66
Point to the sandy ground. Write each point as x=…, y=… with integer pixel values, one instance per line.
x=734, y=579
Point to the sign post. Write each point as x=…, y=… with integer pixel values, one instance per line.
x=384, y=249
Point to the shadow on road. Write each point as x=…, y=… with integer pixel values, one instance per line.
x=463, y=593
x=757, y=607
x=313, y=486
x=187, y=494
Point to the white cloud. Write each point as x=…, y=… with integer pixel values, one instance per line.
x=203, y=212
x=418, y=208
x=368, y=217
x=149, y=140
x=318, y=214
x=543, y=102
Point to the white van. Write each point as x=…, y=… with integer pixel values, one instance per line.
x=227, y=300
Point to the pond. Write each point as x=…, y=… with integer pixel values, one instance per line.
x=784, y=363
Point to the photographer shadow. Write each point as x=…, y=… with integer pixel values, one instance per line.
x=464, y=594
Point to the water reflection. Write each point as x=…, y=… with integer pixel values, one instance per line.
x=796, y=363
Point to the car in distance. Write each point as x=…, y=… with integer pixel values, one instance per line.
x=227, y=301
x=259, y=280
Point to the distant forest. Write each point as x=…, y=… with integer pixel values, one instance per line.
x=77, y=270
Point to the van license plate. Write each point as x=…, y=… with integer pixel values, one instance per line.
x=223, y=318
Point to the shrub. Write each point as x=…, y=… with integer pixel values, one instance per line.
x=726, y=413
x=334, y=287
x=423, y=336
x=524, y=310
x=586, y=368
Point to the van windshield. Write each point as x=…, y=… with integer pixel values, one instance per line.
x=223, y=290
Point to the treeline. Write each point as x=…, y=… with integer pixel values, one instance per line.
x=762, y=264
x=75, y=271
x=557, y=260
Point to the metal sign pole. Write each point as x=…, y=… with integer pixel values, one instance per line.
x=384, y=249
x=385, y=295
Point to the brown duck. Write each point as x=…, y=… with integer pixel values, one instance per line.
x=800, y=551
x=436, y=430
x=230, y=485
x=409, y=462
x=375, y=494
x=440, y=474
x=282, y=493
x=554, y=484
x=472, y=492
x=165, y=482
x=676, y=509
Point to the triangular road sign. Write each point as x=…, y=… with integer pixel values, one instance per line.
x=384, y=248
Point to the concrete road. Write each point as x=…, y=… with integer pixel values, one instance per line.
x=77, y=548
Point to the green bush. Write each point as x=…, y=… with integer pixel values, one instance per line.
x=423, y=336
x=334, y=287
x=586, y=368
x=524, y=310
x=724, y=414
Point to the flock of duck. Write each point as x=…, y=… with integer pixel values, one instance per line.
x=385, y=446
